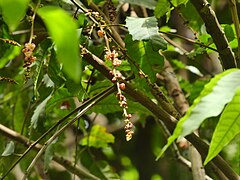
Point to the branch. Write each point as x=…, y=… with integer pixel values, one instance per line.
x=60, y=131
x=168, y=120
x=52, y=128
x=173, y=88
x=80, y=172
x=180, y=102
x=214, y=29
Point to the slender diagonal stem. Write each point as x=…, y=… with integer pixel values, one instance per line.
x=74, y=169
x=83, y=111
x=51, y=129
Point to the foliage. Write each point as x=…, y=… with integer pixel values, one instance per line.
x=76, y=75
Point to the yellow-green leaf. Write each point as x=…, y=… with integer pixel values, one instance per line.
x=98, y=137
x=13, y=11
x=215, y=95
x=227, y=128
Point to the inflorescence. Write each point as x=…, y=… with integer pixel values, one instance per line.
x=113, y=57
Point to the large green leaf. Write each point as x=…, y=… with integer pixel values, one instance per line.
x=227, y=128
x=144, y=55
x=163, y=6
x=215, y=95
x=98, y=137
x=145, y=29
x=145, y=3
x=63, y=31
x=13, y=11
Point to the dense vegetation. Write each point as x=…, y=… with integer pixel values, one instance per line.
x=103, y=89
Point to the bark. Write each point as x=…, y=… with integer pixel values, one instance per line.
x=214, y=29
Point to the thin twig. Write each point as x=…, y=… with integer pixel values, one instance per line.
x=49, y=141
x=50, y=130
x=80, y=172
x=32, y=21
x=189, y=40
x=168, y=120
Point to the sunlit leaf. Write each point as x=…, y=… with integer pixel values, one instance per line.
x=145, y=29
x=63, y=31
x=178, y=2
x=144, y=55
x=98, y=137
x=227, y=128
x=9, y=149
x=163, y=6
x=215, y=95
x=13, y=11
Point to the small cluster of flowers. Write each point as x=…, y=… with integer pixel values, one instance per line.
x=29, y=58
x=113, y=57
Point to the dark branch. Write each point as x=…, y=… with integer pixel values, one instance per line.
x=214, y=29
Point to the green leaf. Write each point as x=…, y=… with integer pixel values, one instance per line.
x=103, y=170
x=41, y=54
x=37, y=112
x=54, y=70
x=9, y=54
x=163, y=6
x=9, y=149
x=63, y=31
x=150, y=4
x=98, y=138
x=227, y=128
x=13, y=11
x=58, y=97
x=178, y=2
x=228, y=30
x=143, y=54
x=145, y=29
x=48, y=155
x=215, y=95
x=111, y=105
x=19, y=113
